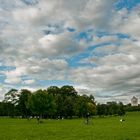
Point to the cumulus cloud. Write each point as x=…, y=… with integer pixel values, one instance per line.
x=36, y=42
x=13, y=76
x=110, y=80
x=47, y=69
x=28, y=82
x=127, y=22
x=105, y=39
x=2, y=92
x=58, y=45
x=79, y=14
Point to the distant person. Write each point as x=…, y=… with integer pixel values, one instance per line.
x=38, y=119
x=122, y=120
x=87, y=118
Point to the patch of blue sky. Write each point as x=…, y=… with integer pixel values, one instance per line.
x=12, y=85
x=88, y=35
x=2, y=78
x=6, y=68
x=30, y=2
x=119, y=35
x=122, y=36
x=25, y=77
x=78, y=63
x=101, y=34
x=74, y=60
x=84, y=35
x=92, y=47
x=100, y=54
x=89, y=52
x=70, y=29
x=129, y=4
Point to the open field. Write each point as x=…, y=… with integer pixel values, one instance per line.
x=109, y=128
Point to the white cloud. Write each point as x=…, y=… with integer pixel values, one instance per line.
x=35, y=41
x=127, y=22
x=28, y=82
x=58, y=45
x=108, y=80
x=14, y=76
x=105, y=39
x=79, y=14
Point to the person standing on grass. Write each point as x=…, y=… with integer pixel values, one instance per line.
x=38, y=119
x=87, y=118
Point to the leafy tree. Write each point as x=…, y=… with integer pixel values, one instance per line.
x=59, y=101
x=128, y=107
x=69, y=107
x=23, y=101
x=121, y=110
x=111, y=108
x=11, y=96
x=68, y=90
x=83, y=105
x=41, y=103
x=54, y=90
x=7, y=109
x=64, y=98
x=101, y=109
x=53, y=102
x=91, y=108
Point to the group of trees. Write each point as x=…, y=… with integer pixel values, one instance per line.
x=110, y=108
x=130, y=108
x=53, y=102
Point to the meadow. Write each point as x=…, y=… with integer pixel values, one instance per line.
x=107, y=128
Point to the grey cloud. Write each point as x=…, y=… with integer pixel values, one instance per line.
x=58, y=45
x=24, y=45
x=127, y=22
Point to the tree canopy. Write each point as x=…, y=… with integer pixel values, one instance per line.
x=55, y=102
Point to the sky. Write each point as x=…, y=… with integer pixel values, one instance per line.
x=93, y=45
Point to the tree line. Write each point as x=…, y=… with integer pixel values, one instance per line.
x=110, y=108
x=130, y=108
x=55, y=102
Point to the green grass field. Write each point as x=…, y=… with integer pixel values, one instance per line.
x=109, y=128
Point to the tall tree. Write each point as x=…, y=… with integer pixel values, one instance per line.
x=68, y=90
x=84, y=105
x=69, y=107
x=22, y=102
x=41, y=103
x=7, y=109
x=121, y=110
x=54, y=90
x=11, y=96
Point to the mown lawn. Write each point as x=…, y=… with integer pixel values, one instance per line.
x=109, y=128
